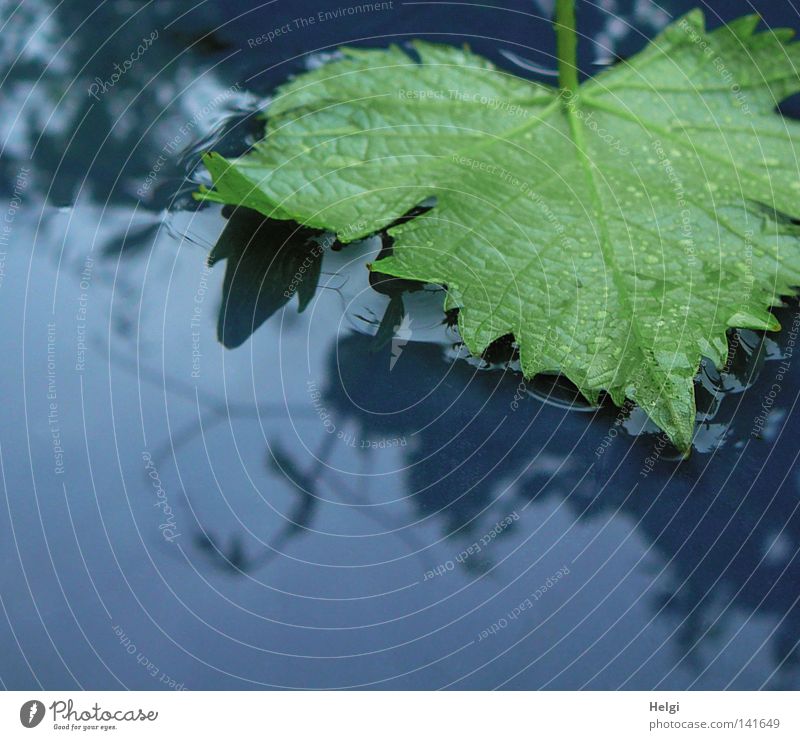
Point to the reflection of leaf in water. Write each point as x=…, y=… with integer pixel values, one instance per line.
x=268, y=262
x=393, y=288
x=132, y=242
x=205, y=42
x=392, y=318
x=719, y=562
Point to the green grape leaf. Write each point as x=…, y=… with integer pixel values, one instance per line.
x=617, y=232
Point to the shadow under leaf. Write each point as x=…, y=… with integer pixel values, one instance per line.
x=268, y=262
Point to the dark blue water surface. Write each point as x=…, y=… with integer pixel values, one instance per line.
x=322, y=504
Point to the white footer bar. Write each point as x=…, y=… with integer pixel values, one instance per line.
x=401, y=715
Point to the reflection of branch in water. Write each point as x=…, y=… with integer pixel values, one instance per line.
x=402, y=533
x=236, y=559
x=305, y=483
x=219, y=409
